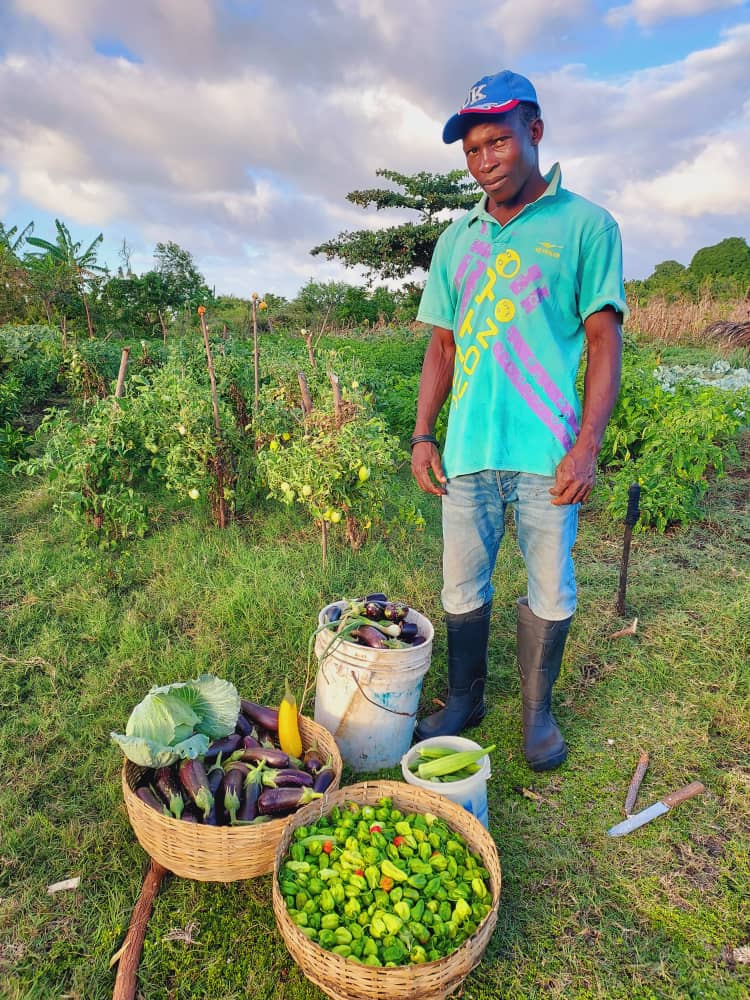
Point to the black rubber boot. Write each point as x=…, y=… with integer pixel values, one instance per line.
x=540, y=651
x=468, y=639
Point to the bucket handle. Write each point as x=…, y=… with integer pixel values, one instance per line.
x=393, y=711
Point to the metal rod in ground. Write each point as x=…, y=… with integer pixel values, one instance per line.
x=631, y=517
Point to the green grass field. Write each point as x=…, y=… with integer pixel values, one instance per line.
x=662, y=913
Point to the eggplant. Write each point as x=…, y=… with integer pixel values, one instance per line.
x=214, y=778
x=275, y=801
x=168, y=787
x=369, y=636
x=194, y=780
x=260, y=715
x=312, y=760
x=250, y=743
x=395, y=611
x=409, y=631
x=323, y=779
x=375, y=610
x=418, y=641
x=243, y=726
x=271, y=756
x=149, y=796
x=190, y=814
x=376, y=597
x=223, y=746
x=248, y=810
x=332, y=613
x=232, y=791
x=290, y=777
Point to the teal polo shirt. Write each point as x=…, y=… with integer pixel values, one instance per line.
x=516, y=297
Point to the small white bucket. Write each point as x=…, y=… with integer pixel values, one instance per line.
x=471, y=793
x=368, y=698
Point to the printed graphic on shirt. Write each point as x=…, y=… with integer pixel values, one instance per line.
x=497, y=293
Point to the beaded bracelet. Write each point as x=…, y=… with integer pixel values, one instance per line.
x=423, y=439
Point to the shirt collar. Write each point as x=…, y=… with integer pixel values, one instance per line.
x=553, y=179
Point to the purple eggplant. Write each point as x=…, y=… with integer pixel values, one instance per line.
x=275, y=801
x=369, y=636
x=313, y=760
x=250, y=743
x=243, y=726
x=214, y=778
x=168, y=787
x=150, y=798
x=332, y=613
x=418, y=640
x=289, y=777
x=225, y=746
x=324, y=779
x=233, y=791
x=375, y=610
x=190, y=814
x=194, y=780
x=261, y=715
x=271, y=756
x=248, y=810
x=395, y=611
x=382, y=598
x=409, y=631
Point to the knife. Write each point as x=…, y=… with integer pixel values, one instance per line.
x=657, y=809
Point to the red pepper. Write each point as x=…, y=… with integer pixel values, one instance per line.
x=375, y=828
x=358, y=871
x=386, y=883
x=327, y=847
x=398, y=841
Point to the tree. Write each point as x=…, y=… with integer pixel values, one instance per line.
x=14, y=279
x=71, y=267
x=185, y=285
x=729, y=259
x=398, y=250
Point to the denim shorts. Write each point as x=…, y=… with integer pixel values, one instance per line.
x=474, y=524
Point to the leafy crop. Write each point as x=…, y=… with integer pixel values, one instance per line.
x=669, y=441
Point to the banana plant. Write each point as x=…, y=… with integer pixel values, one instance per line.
x=71, y=265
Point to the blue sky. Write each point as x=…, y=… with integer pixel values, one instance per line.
x=237, y=127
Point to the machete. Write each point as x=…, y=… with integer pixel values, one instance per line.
x=657, y=809
x=631, y=517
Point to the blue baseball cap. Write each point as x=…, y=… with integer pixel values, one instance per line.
x=492, y=95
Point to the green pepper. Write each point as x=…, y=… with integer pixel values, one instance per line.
x=313, y=920
x=309, y=932
x=397, y=874
x=419, y=867
x=301, y=832
x=410, y=893
x=392, y=851
x=402, y=910
x=356, y=947
x=452, y=867
x=428, y=918
x=342, y=949
x=357, y=932
x=297, y=851
x=418, y=881
x=434, y=839
x=417, y=955
x=461, y=911
x=393, y=923
x=419, y=931
x=298, y=866
x=358, y=882
x=352, y=908
x=325, y=901
x=326, y=874
x=326, y=938
x=371, y=855
x=342, y=935
x=374, y=961
x=445, y=910
x=310, y=906
x=395, y=952
x=377, y=924
x=378, y=840
x=432, y=887
x=425, y=851
x=438, y=862
x=417, y=909
x=329, y=921
x=288, y=888
x=370, y=948
x=372, y=876
x=298, y=917
x=478, y=888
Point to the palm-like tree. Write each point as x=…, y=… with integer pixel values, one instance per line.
x=9, y=242
x=72, y=265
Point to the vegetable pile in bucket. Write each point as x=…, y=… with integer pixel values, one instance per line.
x=373, y=621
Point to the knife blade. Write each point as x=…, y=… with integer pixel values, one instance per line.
x=659, y=808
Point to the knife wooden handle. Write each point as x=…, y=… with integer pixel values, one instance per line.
x=682, y=794
x=635, y=783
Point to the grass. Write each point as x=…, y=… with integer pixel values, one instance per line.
x=84, y=634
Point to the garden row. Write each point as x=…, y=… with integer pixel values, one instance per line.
x=321, y=428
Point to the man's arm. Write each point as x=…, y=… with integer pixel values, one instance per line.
x=575, y=475
x=434, y=387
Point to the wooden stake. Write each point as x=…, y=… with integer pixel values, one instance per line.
x=307, y=403
x=256, y=359
x=121, y=374
x=130, y=953
x=336, y=397
x=217, y=426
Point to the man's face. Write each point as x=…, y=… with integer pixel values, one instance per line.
x=501, y=155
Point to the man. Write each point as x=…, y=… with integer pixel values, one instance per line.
x=515, y=288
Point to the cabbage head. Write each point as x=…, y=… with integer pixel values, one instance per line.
x=179, y=720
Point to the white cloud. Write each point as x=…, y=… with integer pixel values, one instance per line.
x=649, y=12
x=518, y=24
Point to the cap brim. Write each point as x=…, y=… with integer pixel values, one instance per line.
x=459, y=124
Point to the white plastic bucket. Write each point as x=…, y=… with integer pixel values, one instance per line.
x=471, y=793
x=368, y=698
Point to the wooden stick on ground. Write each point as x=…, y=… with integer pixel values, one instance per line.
x=130, y=953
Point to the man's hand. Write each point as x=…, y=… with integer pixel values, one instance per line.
x=427, y=468
x=574, y=477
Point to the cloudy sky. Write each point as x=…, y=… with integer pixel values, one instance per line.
x=237, y=127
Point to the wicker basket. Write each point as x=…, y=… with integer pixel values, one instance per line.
x=345, y=980
x=214, y=853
